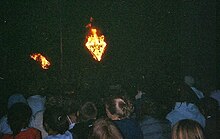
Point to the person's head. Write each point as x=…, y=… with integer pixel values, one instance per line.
x=19, y=115
x=88, y=111
x=187, y=129
x=118, y=108
x=183, y=93
x=55, y=120
x=105, y=129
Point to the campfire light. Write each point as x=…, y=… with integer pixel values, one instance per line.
x=43, y=61
x=95, y=44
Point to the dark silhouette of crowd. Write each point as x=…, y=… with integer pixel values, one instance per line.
x=187, y=113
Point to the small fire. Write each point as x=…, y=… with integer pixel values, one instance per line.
x=44, y=62
x=95, y=44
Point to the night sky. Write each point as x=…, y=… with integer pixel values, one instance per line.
x=148, y=41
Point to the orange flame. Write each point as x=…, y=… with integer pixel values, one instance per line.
x=96, y=44
x=44, y=62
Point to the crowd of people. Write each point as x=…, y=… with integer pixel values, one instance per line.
x=193, y=115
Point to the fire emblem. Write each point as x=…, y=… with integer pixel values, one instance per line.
x=95, y=43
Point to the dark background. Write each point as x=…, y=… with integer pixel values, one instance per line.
x=149, y=42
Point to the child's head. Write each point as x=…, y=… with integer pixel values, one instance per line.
x=88, y=111
x=55, y=120
x=19, y=115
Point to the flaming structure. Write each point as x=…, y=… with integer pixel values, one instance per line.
x=95, y=44
x=43, y=61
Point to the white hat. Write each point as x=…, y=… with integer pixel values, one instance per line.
x=36, y=103
x=15, y=98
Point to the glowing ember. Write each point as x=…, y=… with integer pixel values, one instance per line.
x=44, y=62
x=96, y=44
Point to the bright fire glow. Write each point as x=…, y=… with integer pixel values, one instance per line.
x=96, y=44
x=44, y=62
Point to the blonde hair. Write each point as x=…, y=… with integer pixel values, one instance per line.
x=187, y=129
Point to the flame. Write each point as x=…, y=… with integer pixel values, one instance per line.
x=96, y=44
x=44, y=62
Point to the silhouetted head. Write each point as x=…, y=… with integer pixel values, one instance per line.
x=88, y=111
x=19, y=115
x=183, y=93
x=55, y=120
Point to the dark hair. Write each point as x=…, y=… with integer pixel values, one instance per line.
x=120, y=106
x=105, y=129
x=88, y=111
x=19, y=115
x=187, y=129
x=55, y=118
x=185, y=94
